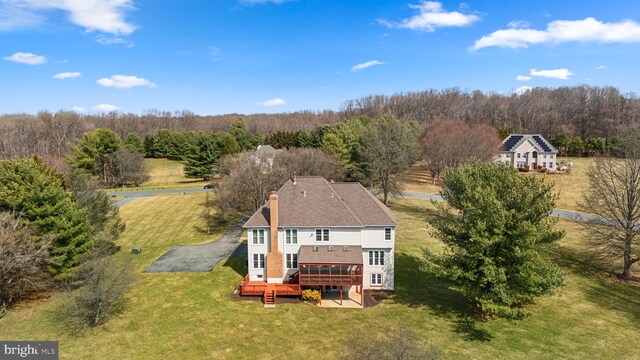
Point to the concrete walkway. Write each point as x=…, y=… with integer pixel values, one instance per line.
x=202, y=257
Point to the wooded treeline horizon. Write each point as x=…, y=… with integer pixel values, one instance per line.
x=580, y=111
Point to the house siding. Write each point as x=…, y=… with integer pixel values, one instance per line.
x=369, y=238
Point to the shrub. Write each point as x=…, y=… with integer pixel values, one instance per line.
x=22, y=261
x=311, y=295
x=102, y=297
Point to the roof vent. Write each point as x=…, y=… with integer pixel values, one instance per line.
x=345, y=248
x=333, y=182
x=332, y=195
x=293, y=179
x=330, y=248
x=315, y=249
x=304, y=193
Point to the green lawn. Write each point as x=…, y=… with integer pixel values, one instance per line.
x=191, y=316
x=166, y=174
x=569, y=186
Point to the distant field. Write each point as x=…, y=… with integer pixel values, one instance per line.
x=569, y=186
x=192, y=316
x=166, y=174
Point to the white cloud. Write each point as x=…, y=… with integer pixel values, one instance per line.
x=518, y=24
x=78, y=109
x=562, y=31
x=26, y=58
x=430, y=17
x=94, y=15
x=367, y=64
x=273, y=102
x=523, y=78
x=105, y=108
x=111, y=40
x=66, y=75
x=125, y=82
x=522, y=89
x=601, y=67
x=17, y=14
x=562, y=74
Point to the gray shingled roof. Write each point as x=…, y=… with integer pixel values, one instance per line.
x=514, y=140
x=328, y=254
x=314, y=202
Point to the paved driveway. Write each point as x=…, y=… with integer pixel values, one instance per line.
x=202, y=257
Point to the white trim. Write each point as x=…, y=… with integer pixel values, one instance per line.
x=376, y=279
x=289, y=236
x=258, y=258
x=257, y=236
x=323, y=238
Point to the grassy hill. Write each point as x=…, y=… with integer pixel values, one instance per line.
x=192, y=315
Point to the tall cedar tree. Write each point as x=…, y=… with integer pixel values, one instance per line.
x=614, y=194
x=134, y=142
x=202, y=158
x=492, y=228
x=389, y=148
x=94, y=150
x=35, y=191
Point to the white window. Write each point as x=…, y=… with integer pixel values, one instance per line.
x=518, y=155
x=376, y=257
x=322, y=235
x=544, y=156
x=387, y=234
x=544, y=164
x=550, y=165
x=376, y=279
x=258, y=236
x=258, y=261
x=292, y=261
x=291, y=236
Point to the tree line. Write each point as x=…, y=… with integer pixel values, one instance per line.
x=57, y=231
x=581, y=111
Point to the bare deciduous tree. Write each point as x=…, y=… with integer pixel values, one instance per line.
x=614, y=197
x=22, y=261
x=247, y=180
x=102, y=296
x=450, y=143
x=389, y=148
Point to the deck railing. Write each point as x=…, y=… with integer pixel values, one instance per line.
x=333, y=279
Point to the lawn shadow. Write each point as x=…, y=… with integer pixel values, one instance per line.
x=603, y=286
x=415, y=286
x=237, y=264
x=218, y=222
x=420, y=212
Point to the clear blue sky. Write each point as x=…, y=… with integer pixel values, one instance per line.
x=252, y=56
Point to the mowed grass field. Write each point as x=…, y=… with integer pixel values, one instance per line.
x=192, y=316
x=570, y=187
x=166, y=174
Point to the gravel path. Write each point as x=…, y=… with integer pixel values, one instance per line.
x=202, y=257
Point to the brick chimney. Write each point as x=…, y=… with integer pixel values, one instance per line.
x=274, y=257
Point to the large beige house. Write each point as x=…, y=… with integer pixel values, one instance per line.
x=313, y=233
x=532, y=150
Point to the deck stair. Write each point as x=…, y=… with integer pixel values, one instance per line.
x=270, y=296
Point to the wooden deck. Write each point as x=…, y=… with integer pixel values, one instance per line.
x=258, y=288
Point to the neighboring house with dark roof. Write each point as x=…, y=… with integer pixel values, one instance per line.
x=533, y=150
x=318, y=234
